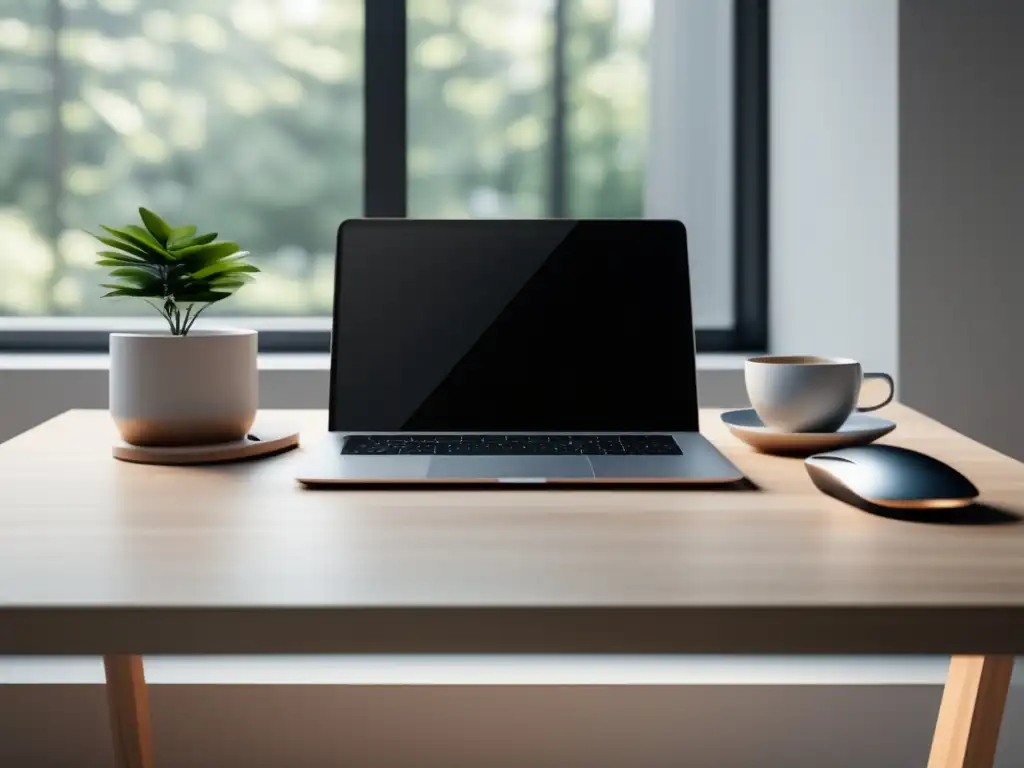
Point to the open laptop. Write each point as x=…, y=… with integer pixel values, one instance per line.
x=516, y=351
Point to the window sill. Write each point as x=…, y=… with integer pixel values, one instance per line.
x=498, y=670
x=269, y=361
x=100, y=361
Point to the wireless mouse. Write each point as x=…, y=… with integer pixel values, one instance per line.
x=887, y=476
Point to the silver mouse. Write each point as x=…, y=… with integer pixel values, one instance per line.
x=892, y=477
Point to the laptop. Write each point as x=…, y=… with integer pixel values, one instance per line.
x=536, y=352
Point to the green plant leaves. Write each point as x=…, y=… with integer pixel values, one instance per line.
x=230, y=282
x=181, y=233
x=203, y=297
x=182, y=237
x=133, y=250
x=144, y=236
x=115, y=259
x=206, y=253
x=140, y=278
x=223, y=266
x=173, y=266
x=156, y=226
x=125, y=290
x=180, y=245
x=140, y=240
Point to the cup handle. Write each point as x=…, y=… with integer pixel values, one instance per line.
x=892, y=391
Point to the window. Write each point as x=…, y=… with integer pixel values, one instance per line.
x=271, y=121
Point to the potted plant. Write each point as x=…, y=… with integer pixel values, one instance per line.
x=183, y=386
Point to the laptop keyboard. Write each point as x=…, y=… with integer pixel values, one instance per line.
x=511, y=445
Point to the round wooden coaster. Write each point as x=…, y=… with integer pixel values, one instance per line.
x=259, y=442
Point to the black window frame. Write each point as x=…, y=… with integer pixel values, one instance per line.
x=386, y=178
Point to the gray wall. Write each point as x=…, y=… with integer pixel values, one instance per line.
x=961, y=215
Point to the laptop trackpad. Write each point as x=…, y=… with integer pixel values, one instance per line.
x=524, y=467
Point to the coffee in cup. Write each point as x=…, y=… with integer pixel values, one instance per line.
x=805, y=393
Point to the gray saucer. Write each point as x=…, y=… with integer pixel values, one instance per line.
x=859, y=429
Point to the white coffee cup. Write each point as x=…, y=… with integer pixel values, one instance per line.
x=805, y=393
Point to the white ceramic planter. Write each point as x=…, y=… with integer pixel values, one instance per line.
x=193, y=390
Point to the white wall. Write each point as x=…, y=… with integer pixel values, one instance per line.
x=834, y=182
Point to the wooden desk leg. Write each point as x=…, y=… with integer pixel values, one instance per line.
x=129, y=711
x=971, y=712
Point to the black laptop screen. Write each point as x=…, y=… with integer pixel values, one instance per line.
x=552, y=325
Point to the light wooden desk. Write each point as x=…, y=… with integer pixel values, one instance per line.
x=101, y=557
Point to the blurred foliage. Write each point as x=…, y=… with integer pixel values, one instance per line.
x=247, y=116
